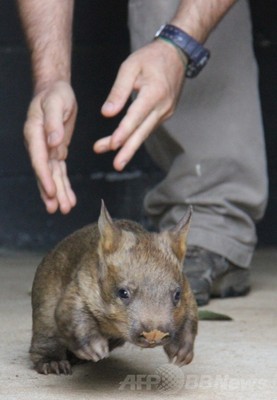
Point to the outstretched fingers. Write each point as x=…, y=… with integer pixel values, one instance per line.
x=65, y=196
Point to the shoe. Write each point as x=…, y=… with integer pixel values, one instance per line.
x=211, y=275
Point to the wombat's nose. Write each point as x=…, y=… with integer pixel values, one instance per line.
x=153, y=338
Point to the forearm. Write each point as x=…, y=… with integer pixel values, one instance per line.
x=48, y=29
x=199, y=17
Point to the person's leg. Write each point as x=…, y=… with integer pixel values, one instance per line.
x=212, y=148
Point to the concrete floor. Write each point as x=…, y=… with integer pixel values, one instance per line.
x=233, y=360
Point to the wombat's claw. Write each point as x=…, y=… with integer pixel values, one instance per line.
x=182, y=359
x=96, y=350
x=179, y=356
x=54, y=367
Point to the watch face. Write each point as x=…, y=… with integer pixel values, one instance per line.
x=204, y=60
x=193, y=68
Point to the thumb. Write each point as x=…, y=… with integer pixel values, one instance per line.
x=122, y=88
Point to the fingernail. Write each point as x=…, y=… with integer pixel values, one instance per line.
x=52, y=138
x=108, y=106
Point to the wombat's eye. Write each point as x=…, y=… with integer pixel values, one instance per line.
x=123, y=294
x=176, y=296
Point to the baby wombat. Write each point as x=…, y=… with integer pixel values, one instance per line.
x=109, y=283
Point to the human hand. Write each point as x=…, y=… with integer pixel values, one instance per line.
x=156, y=73
x=48, y=130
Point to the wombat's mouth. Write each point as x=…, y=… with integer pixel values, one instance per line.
x=149, y=345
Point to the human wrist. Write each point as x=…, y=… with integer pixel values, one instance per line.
x=180, y=55
x=50, y=68
x=196, y=56
x=45, y=83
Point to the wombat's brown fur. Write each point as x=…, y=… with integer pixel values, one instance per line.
x=109, y=283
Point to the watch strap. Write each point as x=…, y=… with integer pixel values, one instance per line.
x=196, y=53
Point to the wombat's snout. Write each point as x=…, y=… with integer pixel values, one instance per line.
x=152, y=338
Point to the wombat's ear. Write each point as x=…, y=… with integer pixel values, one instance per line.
x=178, y=235
x=109, y=232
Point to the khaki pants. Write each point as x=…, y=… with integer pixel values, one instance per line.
x=212, y=149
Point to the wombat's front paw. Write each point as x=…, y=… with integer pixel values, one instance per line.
x=95, y=348
x=53, y=367
x=179, y=353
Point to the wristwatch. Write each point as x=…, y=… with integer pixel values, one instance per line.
x=197, y=55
